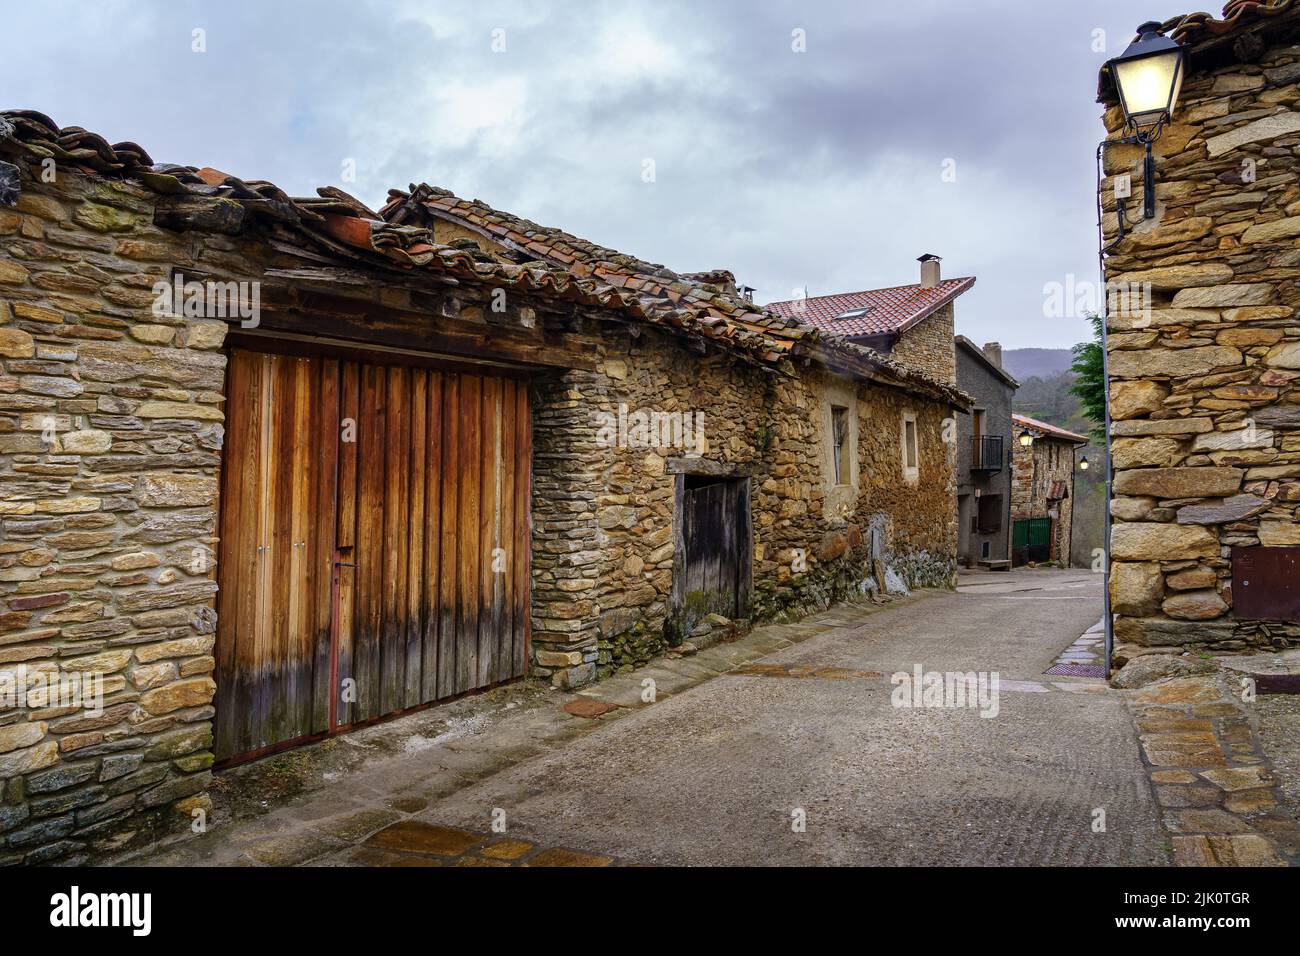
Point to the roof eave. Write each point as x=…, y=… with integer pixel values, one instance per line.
x=853, y=361
x=1051, y=432
x=948, y=298
x=978, y=353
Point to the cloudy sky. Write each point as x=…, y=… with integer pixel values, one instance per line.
x=818, y=143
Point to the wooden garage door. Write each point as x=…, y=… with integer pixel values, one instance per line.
x=374, y=543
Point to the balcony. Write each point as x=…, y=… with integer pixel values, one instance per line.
x=987, y=453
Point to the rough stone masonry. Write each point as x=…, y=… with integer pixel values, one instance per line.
x=111, y=456
x=111, y=444
x=1203, y=393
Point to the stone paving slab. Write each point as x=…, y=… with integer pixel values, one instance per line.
x=1218, y=795
x=412, y=843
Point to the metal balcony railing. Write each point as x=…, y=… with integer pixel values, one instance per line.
x=987, y=453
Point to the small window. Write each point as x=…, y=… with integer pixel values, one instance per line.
x=909, y=444
x=839, y=441
x=853, y=314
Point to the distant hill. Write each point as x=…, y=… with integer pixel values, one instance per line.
x=1040, y=363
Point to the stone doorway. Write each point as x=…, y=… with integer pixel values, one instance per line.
x=713, y=546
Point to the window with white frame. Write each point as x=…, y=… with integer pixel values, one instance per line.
x=840, y=443
x=911, y=453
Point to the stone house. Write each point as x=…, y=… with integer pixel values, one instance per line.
x=910, y=323
x=1042, y=493
x=274, y=467
x=1203, y=365
x=985, y=444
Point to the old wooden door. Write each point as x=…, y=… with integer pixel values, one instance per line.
x=713, y=546
x=374, y=543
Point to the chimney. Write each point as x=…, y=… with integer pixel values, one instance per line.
x=929, y=270
x=993, y=352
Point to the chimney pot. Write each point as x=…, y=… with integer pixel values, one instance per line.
x=930, y=277
x=993, y=352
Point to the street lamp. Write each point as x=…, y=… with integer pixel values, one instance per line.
x=1148, y=76
x=1026, y=439
x=1083, y=463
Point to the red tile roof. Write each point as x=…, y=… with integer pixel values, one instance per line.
x=1045, y=430
x=537, y=259
x=889, y=310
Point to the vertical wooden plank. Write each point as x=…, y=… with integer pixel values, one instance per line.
x=325, y=442
x=397, y=453
x=522, y=551
x=414, y=621
x=346, y=537
x=693, y=571
x=729, y=557
x=471, y=399
x=717, y=539
x=745, y=538
x=489, y=526
x=717, y=566
x=237, y=562
x=296, y=589
x=432, y=540
x=371, y=425
x=448, y=610
x=253, y=705
x=275, y=686
x=503, y=583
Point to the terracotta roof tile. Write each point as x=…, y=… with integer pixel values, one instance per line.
x=889, y=310
x=1048, y=431
x=400, y=235
x=706, y=302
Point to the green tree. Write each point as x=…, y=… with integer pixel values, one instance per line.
x=1090, y=381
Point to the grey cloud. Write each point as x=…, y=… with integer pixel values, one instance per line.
x=821, y=168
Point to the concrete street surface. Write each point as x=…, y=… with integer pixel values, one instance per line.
x=780, y=748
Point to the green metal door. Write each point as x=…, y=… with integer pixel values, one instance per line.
x=1031, y=540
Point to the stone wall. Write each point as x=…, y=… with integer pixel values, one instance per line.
x=1039, y=473
x=1203, y=383
x=928, y=345
x=110, y=454
x=110, y=435
x=110, y=451
x=769, y=427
